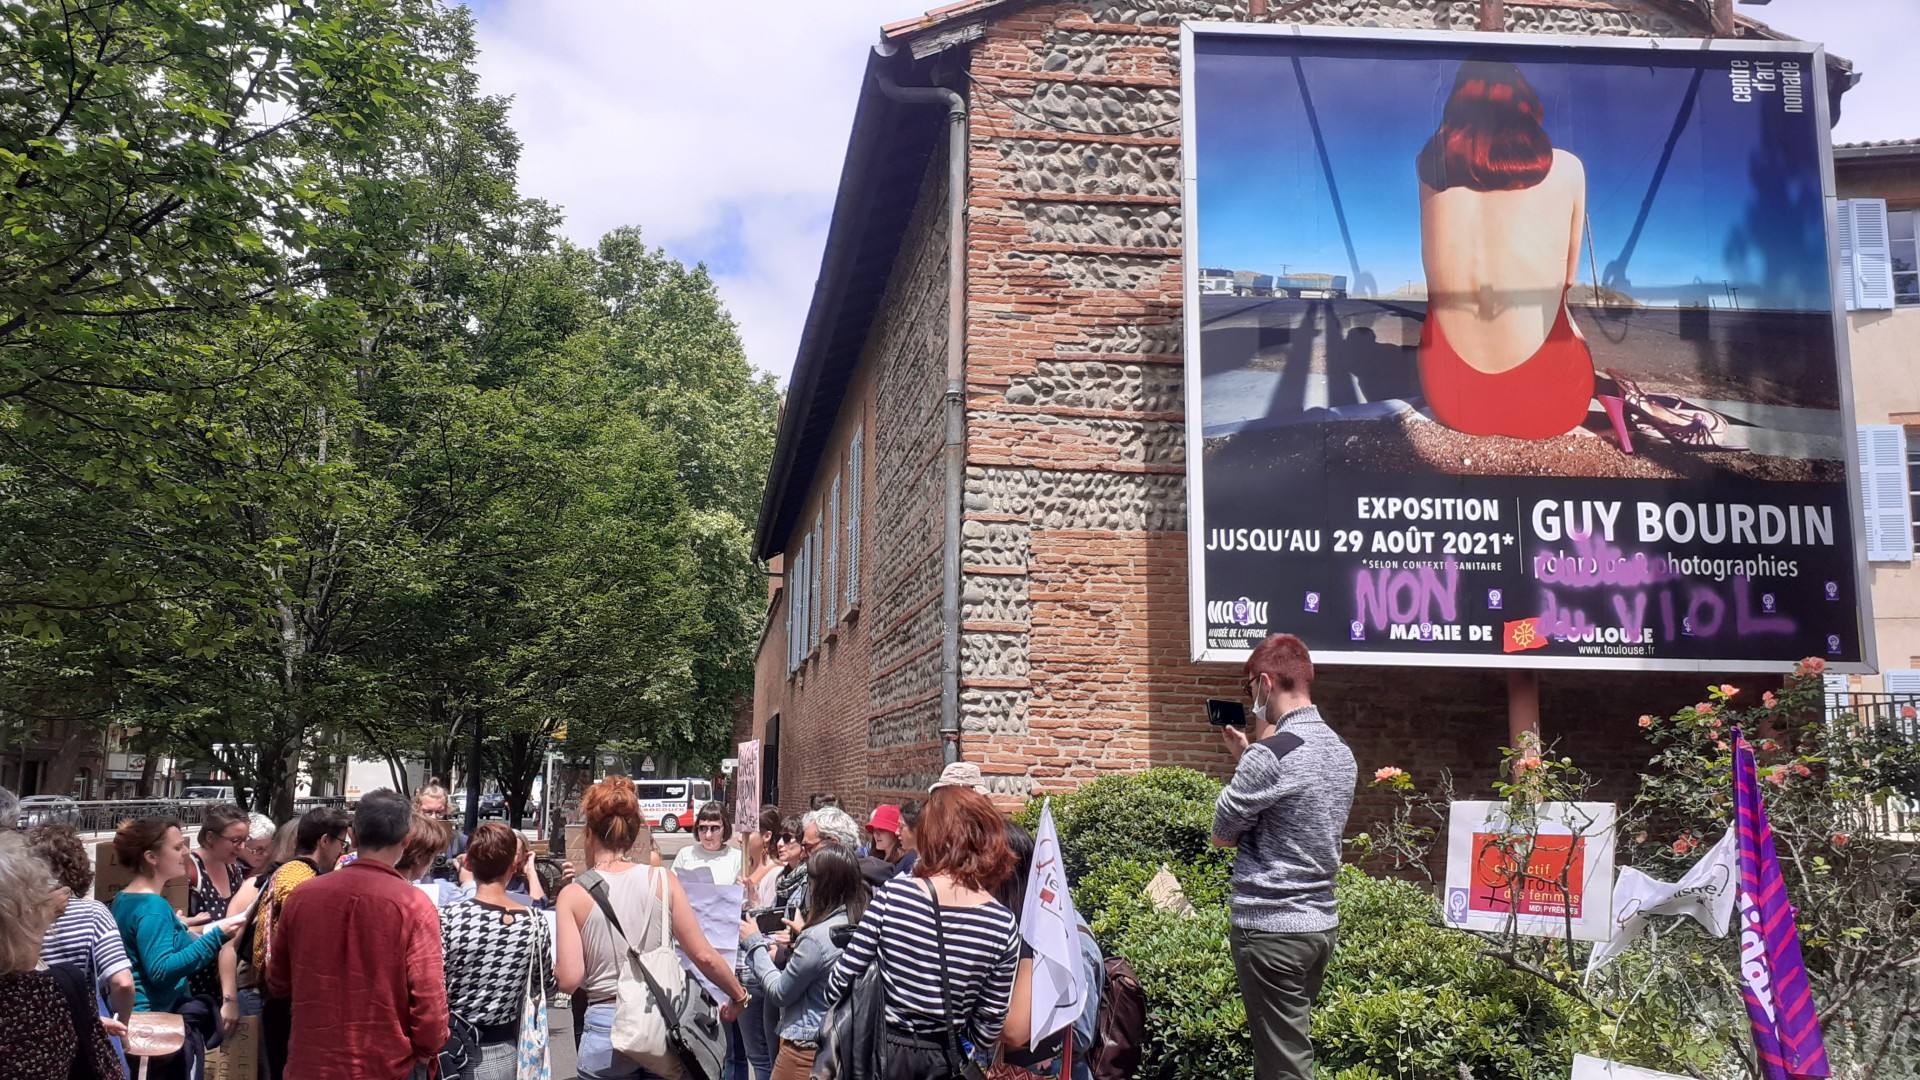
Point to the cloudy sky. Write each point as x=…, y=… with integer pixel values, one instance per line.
x=720, y=131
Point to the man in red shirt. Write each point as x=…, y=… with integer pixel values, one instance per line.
x=358, y=953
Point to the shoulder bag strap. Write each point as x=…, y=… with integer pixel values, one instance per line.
x=954, y=1056
x=666, y=927
x=598, y=890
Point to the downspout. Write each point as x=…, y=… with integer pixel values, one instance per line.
x=955, y=450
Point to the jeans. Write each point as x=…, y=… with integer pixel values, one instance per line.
x=753, y=1036
x=598, y=1059
x=1280, y=975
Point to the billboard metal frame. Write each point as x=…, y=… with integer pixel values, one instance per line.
x=1191, y=30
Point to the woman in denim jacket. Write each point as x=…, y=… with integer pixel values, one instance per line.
x=799, y=991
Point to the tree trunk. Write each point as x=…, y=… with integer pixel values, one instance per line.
x=70, y=738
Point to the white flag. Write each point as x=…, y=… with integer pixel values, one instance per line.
x=1050, y=926
x=1705, y=893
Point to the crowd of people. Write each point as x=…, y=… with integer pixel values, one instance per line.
x=386, y=944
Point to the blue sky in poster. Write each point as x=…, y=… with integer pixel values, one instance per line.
x=1737, y=205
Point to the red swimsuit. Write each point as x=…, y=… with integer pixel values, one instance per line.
x=1545, y=395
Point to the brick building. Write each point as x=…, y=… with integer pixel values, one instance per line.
x=1058, y=409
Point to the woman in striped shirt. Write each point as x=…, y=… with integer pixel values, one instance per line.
x=947, y=950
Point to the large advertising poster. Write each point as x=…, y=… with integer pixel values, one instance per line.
x=1516, y=351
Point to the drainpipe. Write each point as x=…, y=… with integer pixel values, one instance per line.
x=955, y=450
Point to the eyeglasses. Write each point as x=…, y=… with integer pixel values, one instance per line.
x=811, y=845
x=787, y=838
x=241, y=839
x=709, y=828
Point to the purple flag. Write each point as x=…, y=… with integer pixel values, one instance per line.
x=1786, y=1031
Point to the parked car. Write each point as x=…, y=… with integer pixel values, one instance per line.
x=208, y=793
x=46, y=809
x=492, y=804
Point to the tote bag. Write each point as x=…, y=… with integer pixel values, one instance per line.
x=533, y=1060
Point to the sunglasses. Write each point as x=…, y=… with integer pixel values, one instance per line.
x=709, y=828
x=788, y=838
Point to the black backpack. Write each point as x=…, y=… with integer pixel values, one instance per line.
x=1120, y=1027
x=77, y=986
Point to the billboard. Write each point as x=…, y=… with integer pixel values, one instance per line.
x=1511, y=350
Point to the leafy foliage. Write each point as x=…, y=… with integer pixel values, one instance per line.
x=315, y=438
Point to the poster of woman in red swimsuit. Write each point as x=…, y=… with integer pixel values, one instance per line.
x=1525, y=349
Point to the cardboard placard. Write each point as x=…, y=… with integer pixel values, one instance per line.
x=1565, y=888
x=538, y=847
x=577, y=845
x=238, y=1058
x=110, y=879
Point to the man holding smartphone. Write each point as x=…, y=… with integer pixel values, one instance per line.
x=1284, y=812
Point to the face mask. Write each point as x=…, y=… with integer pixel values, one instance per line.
x=1260, y=709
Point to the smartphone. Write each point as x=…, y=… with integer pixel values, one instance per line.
x=1224, y=713
x=769, y=920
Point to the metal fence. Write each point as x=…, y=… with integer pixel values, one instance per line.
x=1882, y=717
x=105, y=815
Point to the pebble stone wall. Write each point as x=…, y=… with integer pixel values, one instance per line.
x=1074, y=658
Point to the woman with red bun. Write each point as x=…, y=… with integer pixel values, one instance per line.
x=632, y=890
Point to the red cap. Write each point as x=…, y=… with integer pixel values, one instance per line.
x=886, y=818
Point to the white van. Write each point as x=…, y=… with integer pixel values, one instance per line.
x=669, y=805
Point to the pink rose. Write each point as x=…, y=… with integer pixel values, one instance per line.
x=1812, y=665
x=1767, y=699
x=1684, y=844
x=1646, y=721
x=1728, y=689
x=1382, y=775
x=1840, y=839
x=1803, y=770
x=1528, y=762
x=1777, y=776
x=1705, y=708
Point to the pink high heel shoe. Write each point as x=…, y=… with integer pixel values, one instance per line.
x=1608, y=393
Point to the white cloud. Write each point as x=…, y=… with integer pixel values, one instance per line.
x=1878, y=36
x=720, y=131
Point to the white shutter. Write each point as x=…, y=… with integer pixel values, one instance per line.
x=1872, y=255
x=800, y=599
x=813, y=601
x=1904, y=682
x=792, y=600
x=1888, y=528
x=1845, y=224
x=856, y=465
x=828, y=592
x=1839, y=695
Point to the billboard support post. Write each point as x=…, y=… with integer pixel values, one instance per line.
x=1493, y=14
x=1523, y=708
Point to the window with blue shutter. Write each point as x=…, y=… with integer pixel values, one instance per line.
x=1887, y=527
x=856, y=467
x=828, y=609
x=1866, y=254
